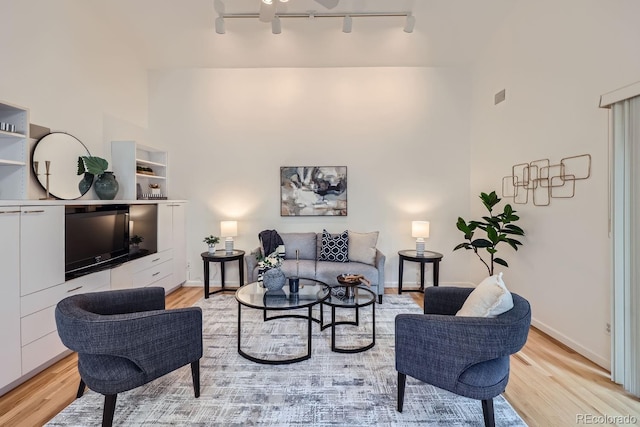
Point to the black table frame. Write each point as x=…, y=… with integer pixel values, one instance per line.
x=309, y=317
x=429, y=257
x=222, y=256
x=355, y=322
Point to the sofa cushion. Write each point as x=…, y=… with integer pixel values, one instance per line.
x=489, y=299
x=334, y=247
x=305, y=268
x=305, y=243
x=362, y=247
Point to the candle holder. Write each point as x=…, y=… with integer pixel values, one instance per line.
x=294, y=282
x=47, y=168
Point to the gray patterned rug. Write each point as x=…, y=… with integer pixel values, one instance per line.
x=328, y=389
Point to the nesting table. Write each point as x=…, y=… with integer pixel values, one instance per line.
x=254, y=296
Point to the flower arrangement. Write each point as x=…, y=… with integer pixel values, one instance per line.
x=270, y=261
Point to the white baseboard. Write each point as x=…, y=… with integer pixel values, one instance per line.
x=606, y=364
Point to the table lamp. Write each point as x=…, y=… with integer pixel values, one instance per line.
x=420, y=230
x=228, y=230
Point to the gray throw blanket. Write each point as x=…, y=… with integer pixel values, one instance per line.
x=270, y=240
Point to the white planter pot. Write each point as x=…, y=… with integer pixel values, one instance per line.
x=212, y=249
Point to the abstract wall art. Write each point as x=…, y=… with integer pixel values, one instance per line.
x=313, y=191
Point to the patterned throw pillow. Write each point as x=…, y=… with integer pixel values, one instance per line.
x=335, y=248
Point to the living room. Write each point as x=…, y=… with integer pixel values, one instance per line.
x=420, y=138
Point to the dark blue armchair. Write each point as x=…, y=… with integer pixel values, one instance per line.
x=468, y=356
x=126, y=338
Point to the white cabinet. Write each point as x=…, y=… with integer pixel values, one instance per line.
x=151, y=270
x=171, y=234
x=14, y=153
x=39, y=335
x=135, y=164
x=41, y=247
x=10, y=294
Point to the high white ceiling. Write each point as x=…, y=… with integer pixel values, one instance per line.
x=181, y=34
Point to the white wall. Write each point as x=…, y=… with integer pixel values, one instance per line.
x=72, y=71
x=555, y=59
x=402, y=133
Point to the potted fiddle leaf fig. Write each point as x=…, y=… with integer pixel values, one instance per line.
x=493, y=230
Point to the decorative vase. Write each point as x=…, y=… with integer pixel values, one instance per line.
x=106, y=186
x=274, y=279
x=212, y=249
x=85, y=183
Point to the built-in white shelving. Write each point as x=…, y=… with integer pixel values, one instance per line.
x=14, y=153
x=135, y=164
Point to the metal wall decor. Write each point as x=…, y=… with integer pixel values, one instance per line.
x=540, y=181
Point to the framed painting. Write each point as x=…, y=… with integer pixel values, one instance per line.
x=313, y=191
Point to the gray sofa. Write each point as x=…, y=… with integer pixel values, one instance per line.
x=364, y=258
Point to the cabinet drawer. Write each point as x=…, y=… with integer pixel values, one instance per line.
x=38, y=324
x=42, y=322
x=151, y=275
x=51, y=296
x=41, y=351
x=149, y=261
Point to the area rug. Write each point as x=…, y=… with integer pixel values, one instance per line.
x=329, y=389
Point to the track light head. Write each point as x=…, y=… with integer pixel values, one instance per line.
x=276, y=28
x=346, y=24
x=220, y=25
x=410, y=23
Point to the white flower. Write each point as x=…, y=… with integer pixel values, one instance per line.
x=270, y=261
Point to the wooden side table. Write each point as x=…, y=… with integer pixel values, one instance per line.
x=428, y=257
x=222, y=256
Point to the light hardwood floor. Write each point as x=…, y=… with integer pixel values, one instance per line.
x=550, y=385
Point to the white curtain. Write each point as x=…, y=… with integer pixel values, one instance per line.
x=625, y=233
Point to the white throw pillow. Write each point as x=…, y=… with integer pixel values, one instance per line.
x=362, y=247
x=489, y=299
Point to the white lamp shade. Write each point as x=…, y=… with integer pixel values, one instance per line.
x=420, y=229
x=228, y=228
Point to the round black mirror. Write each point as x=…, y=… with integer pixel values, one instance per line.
x=55, y=165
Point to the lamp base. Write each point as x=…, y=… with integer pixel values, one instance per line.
x=420, y=247
x=228, y=245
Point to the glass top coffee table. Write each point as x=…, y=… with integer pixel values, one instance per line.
x=361, y=297
x=254, y=296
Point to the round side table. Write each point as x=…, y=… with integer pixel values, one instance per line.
x=428, y=257
x=222, y=256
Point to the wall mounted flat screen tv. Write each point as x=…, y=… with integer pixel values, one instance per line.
x=96, y=236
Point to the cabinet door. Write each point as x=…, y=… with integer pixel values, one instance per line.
x=41, y=247
x=10, y=294
x=165, y=226
x=179, y=243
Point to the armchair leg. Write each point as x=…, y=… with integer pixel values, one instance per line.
x=81, y=388
x=402, y=380
x=487, y=412
x=109, y=409
x=195, y=375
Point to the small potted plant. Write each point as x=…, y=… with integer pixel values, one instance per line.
x=211, y=241
x=135, y=243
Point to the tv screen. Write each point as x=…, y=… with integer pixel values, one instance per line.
x=95, y=235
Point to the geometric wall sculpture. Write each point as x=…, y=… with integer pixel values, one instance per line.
x=540, y=181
